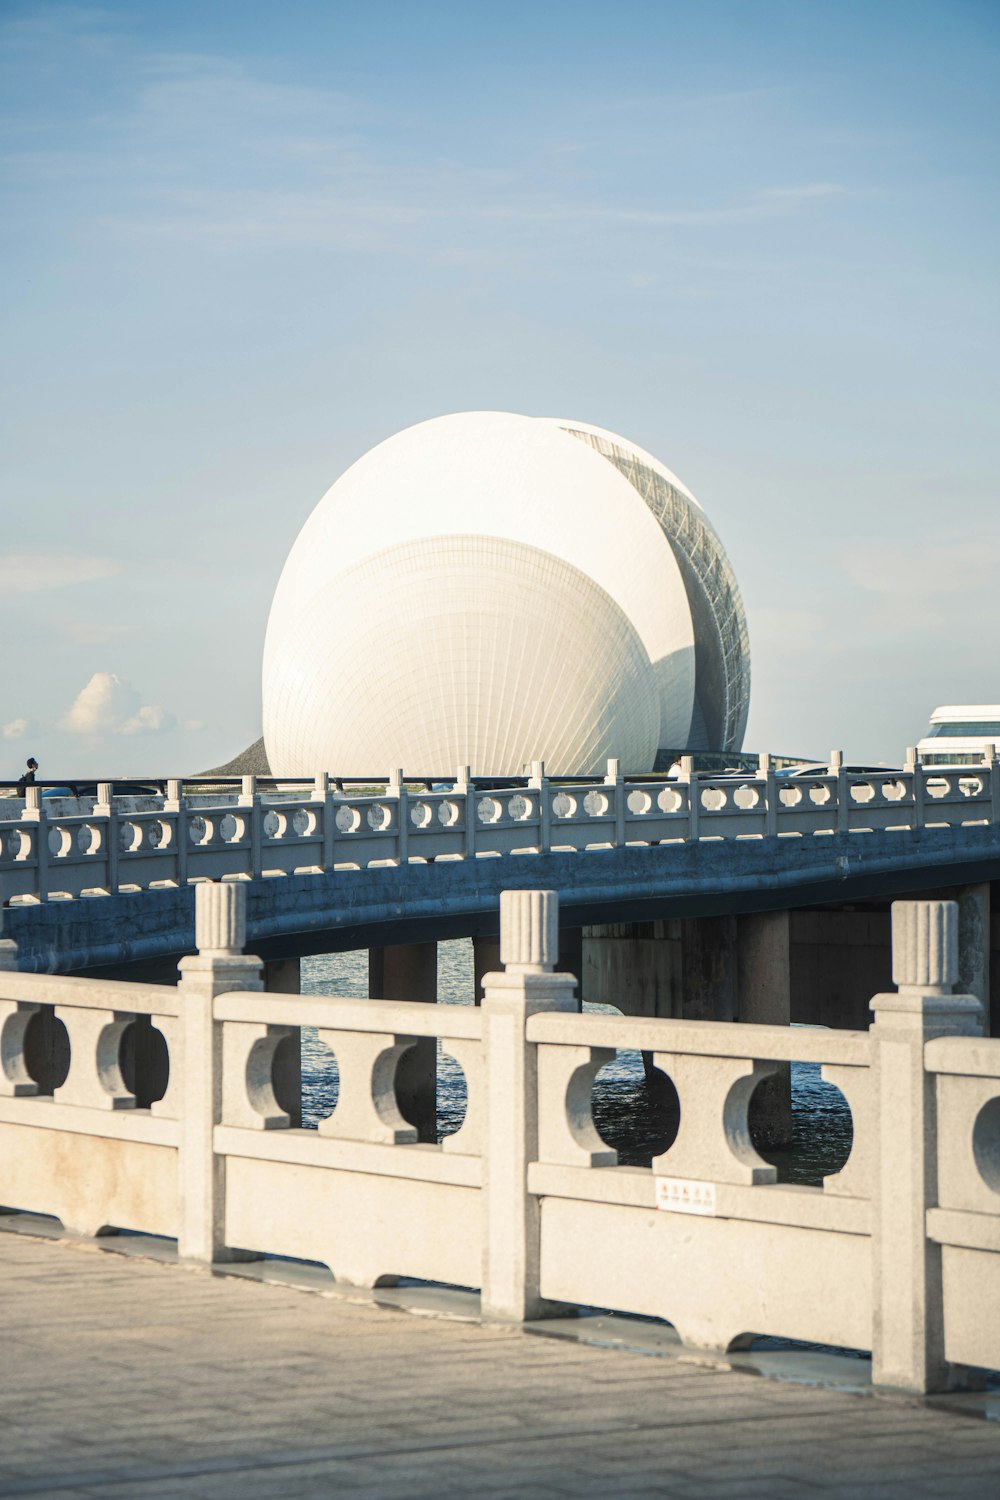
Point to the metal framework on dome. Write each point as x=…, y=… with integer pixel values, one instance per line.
x=722, y=641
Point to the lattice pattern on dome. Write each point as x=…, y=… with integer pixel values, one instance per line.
x=692, y=536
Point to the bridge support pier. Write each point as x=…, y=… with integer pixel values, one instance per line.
x=764, y=981
x=974, y=967
x=636, y=966
x=702, y=969
x=408, y=971
x=485, y=960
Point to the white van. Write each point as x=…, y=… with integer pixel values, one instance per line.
x=959, y=733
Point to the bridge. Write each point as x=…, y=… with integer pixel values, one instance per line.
x=756, y=896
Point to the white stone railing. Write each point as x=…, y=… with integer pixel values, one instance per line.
x=253, y=835
x=898, y=1252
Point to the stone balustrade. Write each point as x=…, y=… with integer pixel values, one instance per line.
x=253, y=835
x=898, y=1252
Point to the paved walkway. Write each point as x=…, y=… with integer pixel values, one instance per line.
x=121, y=1377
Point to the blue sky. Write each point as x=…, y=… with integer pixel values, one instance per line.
x=243, y=243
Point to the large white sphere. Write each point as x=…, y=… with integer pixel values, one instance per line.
x=485, y=590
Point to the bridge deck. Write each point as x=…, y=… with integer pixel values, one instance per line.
x=124, y=1377
x=343, y=909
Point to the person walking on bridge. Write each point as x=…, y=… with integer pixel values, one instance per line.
x=27, y=777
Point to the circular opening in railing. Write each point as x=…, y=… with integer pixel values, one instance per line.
x=199, y=830
x=231, y=828
x=670, y=800
x=745, y=797
x=320, y=1088
x=88, y=838
x=274, y=824
x=448, y=814
x=452, y=1094
x=488, y=810
x=129, y=837
x=519, y=807
x=595, y=804
x=862, y=791
x=893, y=791
x=303, y=822
x=986, y=1144
x=639, y=802
x=800, y=1124
x=713, y=799
x=379, y=816
x=819, y=794
x=60, y=843
x=634, y=1106
x=348, y=820
x=971, y=786
x=416, y=1087
x=790, y=796
x=286, y=1076
x=563, y=805
x=144, y=1061
x=46, y=1050
x=421, y=814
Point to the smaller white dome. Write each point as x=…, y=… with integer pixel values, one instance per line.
x=455, y=650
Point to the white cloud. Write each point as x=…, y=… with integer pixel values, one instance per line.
x=149, y=719
x=16, y=729
x=101, y=707
x=109, y=705
x=31, y=573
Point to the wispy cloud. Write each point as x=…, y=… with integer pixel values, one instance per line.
x=31, y=573
x=16, y=729
x=209, y=151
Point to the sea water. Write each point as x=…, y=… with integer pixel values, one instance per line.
x=635, y=1116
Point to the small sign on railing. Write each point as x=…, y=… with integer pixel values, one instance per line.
x=685, y=1195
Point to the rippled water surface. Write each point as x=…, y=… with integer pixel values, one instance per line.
x=637, y=1117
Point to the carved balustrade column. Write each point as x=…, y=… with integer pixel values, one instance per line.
x=907, y=1294
x=529, y=938
x=33, y=813
x=219, y=966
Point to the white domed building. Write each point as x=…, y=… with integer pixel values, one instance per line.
x=487, y=589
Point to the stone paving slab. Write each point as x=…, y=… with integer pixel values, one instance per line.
x=124, y=1377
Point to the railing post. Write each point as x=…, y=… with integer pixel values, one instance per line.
x=396, y=788
x=529, y=946
x=464, y=787
x=615, y=779
x=322, y=793
x=916, y=772
x=688, y=776
x=172, y=803
x=539, y=783
x=765, y=769
x=836, y=768
x=248, y=798
x=105, y=808
x=992, y=767
x=34, y=812
x=218, y=966
x=907, y=1297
